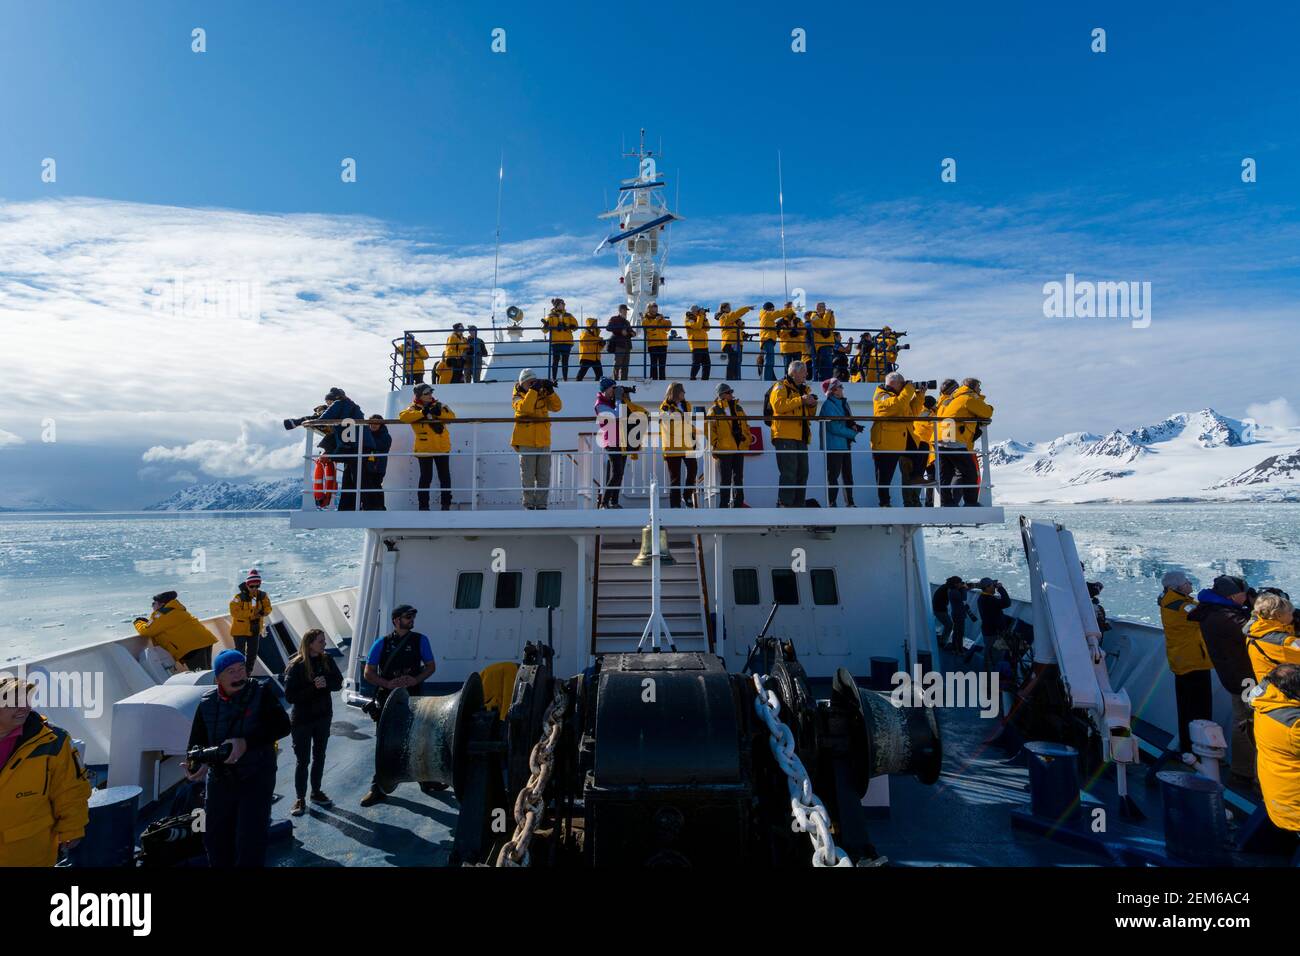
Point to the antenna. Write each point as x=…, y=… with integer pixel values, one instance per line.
x=668, y=238
x=496, y=256
x=780, y=198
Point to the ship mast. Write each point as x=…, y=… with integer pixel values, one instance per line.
x=641, y=216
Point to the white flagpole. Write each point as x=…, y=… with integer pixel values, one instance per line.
x=780, y=198
x=496, y=255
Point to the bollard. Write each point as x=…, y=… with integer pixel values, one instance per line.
x=1053, y=781
x=110, y=833
x=883, y=670
x=1196, y=826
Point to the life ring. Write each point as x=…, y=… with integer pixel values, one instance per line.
x=324, y=482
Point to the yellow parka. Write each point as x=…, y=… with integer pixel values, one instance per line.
x=44, y=791
x=677, y=433
x=697, y=330
x=890, y=435
x=528, y=403
x=412, y=361
x=1271, y=643
x=923, y=431
x=560, y=325
x=1184, y=645
x=455, y=346
x=823, y=328
x=1277, y=745
x=786, y=398
x=244, y=610
x=767, y=331
x=426, y=440
x=732, y=325
x=176, y=630
x=793, y=338
x=441, y=373
x=590, y=344
x=656, y=330
x=963, y=403
x=722, y=436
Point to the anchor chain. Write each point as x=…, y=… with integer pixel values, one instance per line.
x=530, y=803
x=808, y=811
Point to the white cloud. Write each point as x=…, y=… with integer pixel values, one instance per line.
x=1279, y=413
x=9, y=438
x=258, y=450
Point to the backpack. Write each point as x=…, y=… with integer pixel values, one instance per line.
x=171, y=841
x=767, y=406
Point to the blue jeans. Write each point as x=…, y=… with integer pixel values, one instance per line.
x=825, y=361
x=769, y=361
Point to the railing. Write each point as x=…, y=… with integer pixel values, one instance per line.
x=563, y=361
x=942, y=475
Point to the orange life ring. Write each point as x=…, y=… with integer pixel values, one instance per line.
x=324, y=483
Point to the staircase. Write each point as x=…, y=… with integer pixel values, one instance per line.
x=622, y=595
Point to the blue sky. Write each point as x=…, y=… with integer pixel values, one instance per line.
x=1123, y=165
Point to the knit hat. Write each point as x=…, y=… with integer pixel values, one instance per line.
x=607, y=383
x=1173, y=580
x=526, y=375
x=829, y=385
x=423, y=389
x=254, y=577
x=227, y=658
x=723, y=389
x=1226, y=585
x=334, y=394
x=165, y=596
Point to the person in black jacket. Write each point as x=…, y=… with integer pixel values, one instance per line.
x=1221, y=612
x=993, y=600
x=939, y=605
x=244, y=718
x=340, y=442
x=375, y=464
x=310, y=680
x=959, y=610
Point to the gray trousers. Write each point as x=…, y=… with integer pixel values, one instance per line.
x=535, y=475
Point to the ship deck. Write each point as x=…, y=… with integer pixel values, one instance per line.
x=963, y=820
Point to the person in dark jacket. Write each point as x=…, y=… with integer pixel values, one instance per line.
x=1221, y=613
x=340, y=442
x=959, y=609
x=310, y=680
x=244, y=715
x=475, y=355
x=992, y=601
x=939, y=605
x=375, y=464
x=621, y=333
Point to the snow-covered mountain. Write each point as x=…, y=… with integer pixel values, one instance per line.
x=1190, y=456
x=35, y=501
x=274, y=494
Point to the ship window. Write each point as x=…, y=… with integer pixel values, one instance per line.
x=744, y=585
x=509, y=584
x=469, y=590
x=548, y=589
x=785, y=587
x=823, y=586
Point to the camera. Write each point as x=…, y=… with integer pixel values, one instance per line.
x=931, y=383
x=291, y=423
x=542, y=385
x=197, y=757
x=372, y=708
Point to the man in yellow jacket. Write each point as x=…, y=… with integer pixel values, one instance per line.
x=431, y=443
x=730, y=439
x=895, y=398
x=533, y=402
x=656, y=326
x=590, y=348
x=410, y=360
x=769, y=336
x=455, y=351
x=1188, y=659
x=955, y=443
x=178, y=632
x=697, y=338
x=792, y=404
x=733, y=336
x=249, y=608
x=822, y=325
x=44, y=789
x=560, y=325
x=1277, y=741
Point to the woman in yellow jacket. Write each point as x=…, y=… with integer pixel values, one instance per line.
x=559, y=325
x=453, y=352
x=733, y=336
x=1188, y=659
x=730, y=439
x=769, y=337
x=533, y=402
x=178, y=632
x=248, y=609
x=410, y=359
x=44, y=789
x=1270, y=635
x=677, y=437
x=697, y=338
x=793, y=341
x=656, y=327
x=431, y=443
x=590, y=348
x=1277, y=743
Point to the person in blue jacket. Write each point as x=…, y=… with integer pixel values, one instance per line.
x=340, y=443
x=376, y=441
x=837, y=439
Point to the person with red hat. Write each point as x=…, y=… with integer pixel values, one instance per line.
x=248, y=609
